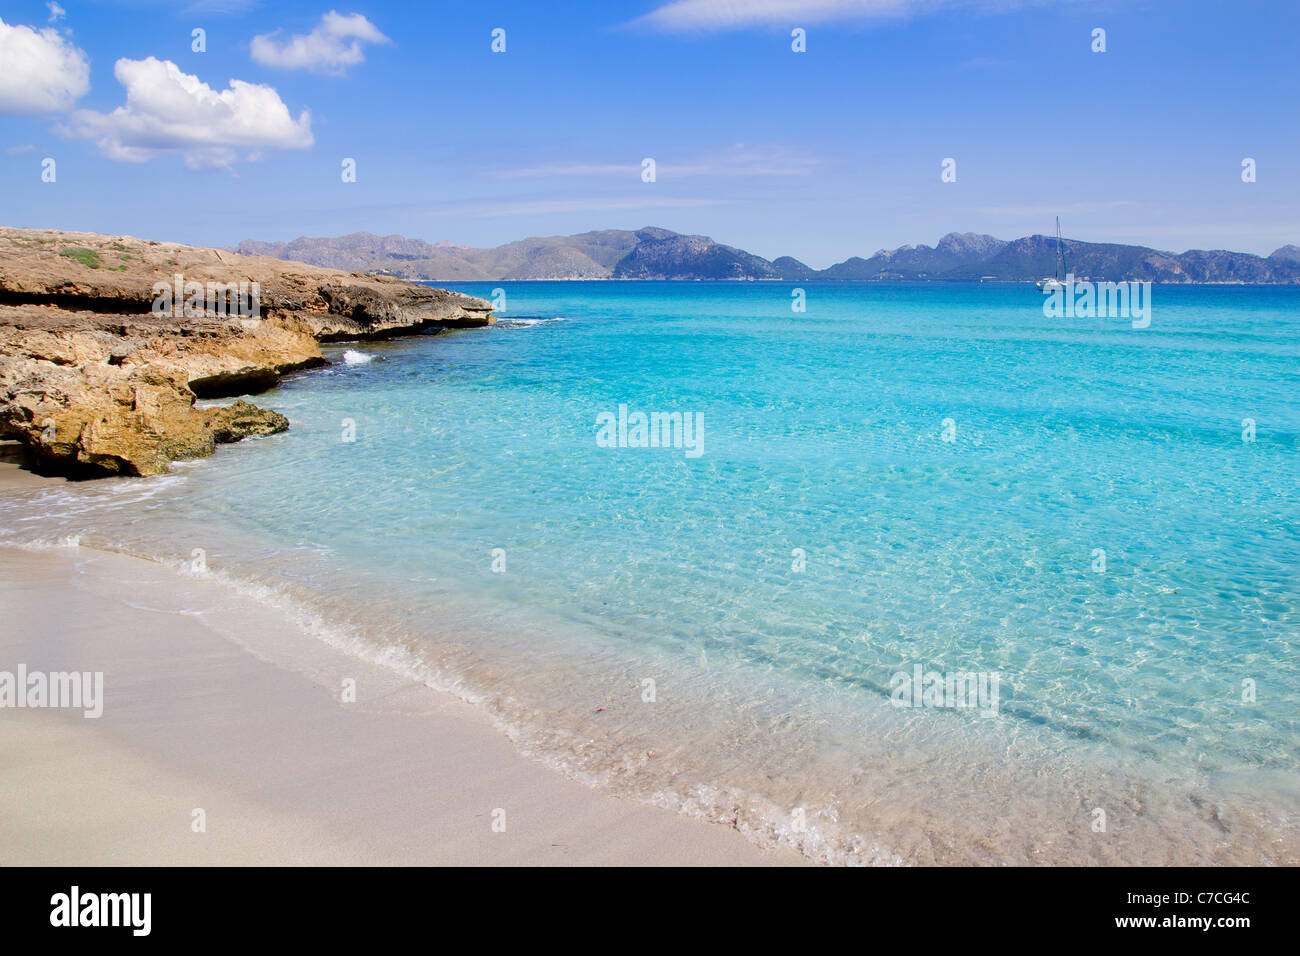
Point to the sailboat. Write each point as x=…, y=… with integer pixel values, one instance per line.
x=1055, y=284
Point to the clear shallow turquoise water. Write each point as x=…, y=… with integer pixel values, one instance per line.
x=822, y=431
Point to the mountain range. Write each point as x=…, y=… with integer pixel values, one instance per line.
x=654, y=253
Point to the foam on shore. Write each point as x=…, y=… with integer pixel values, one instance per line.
x=252, y=730
x=838, y=786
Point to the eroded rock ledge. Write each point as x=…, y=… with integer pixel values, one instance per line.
x=94, y=383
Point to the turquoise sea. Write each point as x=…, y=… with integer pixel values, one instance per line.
x=1105, y=517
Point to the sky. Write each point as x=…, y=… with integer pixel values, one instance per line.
x=823, y=154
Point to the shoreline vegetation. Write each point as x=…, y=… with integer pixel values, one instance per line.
x=107, y=342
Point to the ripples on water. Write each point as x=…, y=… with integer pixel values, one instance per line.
x=823, y=432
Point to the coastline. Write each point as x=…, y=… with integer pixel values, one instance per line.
x=468, y=494
x=407, y=775
x=101, y=364
x=219, y=698
x=1186, y=823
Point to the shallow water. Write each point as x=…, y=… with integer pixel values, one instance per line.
x=903, y=475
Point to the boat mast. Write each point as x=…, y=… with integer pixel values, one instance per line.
x=1060, y=250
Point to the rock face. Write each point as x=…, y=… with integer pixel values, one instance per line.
x=91, y=394
x=106, y=342
x=111, y=274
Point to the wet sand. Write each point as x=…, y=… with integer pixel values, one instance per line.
x=284, y=770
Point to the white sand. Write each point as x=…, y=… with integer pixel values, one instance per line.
x=284, y=773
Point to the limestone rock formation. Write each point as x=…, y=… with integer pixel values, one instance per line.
x=106, y=342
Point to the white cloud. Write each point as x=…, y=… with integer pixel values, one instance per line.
x=42, y=71
x=168, y=111
x=57, y=13
x=698, y=15
x=740, y=159
x=325, y=50
x=563, y=170
x=546, y=207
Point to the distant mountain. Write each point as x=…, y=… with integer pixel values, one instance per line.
x=654, y=253
x=591, y=255
x=1035, y=256
x=919, y=262
x=660, y=254
x=787, y=267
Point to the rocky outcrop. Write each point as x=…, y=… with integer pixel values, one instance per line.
x=95, y=395
x=119, y=274
x=107, y=342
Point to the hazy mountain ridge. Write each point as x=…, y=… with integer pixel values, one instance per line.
x=657, y=256
x=655, y=253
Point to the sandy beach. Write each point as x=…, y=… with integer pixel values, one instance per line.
x=282, y=770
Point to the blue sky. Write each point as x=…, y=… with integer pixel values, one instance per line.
x=821, y=155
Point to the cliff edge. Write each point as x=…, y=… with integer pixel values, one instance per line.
x=106, y=342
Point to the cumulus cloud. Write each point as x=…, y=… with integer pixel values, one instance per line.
x=42, y=71
x=168, y=111
x=331, y=47
x=57, y=13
